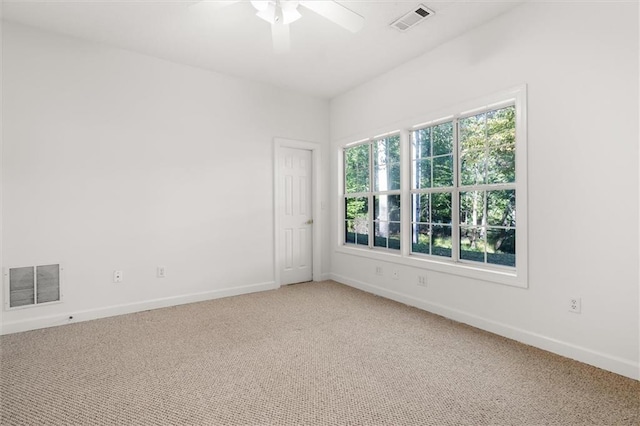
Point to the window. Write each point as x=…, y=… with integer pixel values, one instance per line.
x=372, y=198
x=483, y=192
x=443, y=195
x=487, y=222
x=432, y=180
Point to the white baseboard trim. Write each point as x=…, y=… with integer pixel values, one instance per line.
x=607, y=362
x=110, y=311
x=325, y=276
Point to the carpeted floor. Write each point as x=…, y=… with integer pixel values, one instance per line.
x=316, y=353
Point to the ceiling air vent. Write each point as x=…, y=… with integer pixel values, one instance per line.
x=412, y=18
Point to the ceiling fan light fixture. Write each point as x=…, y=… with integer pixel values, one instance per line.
x=268, y=13
x=275, y=12
x=290, y=15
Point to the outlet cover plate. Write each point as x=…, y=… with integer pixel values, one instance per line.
x=575, y=305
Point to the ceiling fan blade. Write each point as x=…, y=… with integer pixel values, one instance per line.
x=336, y=13
x=280, y=36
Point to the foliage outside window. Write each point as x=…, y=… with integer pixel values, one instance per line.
x=372, y=193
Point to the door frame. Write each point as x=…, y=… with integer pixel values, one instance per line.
x=315, y=148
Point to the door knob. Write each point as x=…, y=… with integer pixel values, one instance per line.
x=309, y=222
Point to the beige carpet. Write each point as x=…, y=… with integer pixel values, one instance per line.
x=317, y=353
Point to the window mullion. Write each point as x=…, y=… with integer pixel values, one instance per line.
x=371, y=191
x=455, y=196
x=405, y=190
x=485, y=226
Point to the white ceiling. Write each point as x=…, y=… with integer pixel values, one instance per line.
x=325, y=60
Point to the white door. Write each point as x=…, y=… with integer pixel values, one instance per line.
x=296, y=220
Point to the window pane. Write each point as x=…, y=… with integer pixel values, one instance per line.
x=473, y=133
x=393, y=144
x=350, y=232
x=356, y=169
x=356, y=207
x=443, y=171
x=472, y=167
x=501, y=164
x=394, y=207
x=387, y=235
x=472, y=208
x=357, y=220
x=380, y=179
x=363, y=239
x=420, y=208
x=441, y=236
x=421, y=239
x=394, y=176
x=501, y=246
x=472, y=244
x=364, y=180
x=394, y=235
x=386, y=207
x=441, y=207
x=501, y=208
x=381, y=230
x=387, y=178
x=501, y=126
x=422, y=143
x=380, y=153
x=387, y=164
x=501, y=135
x=421, y=174
x=442, y=136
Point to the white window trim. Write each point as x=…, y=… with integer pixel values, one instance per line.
x=517, y=277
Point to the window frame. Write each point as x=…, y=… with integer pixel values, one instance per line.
x=518, y=276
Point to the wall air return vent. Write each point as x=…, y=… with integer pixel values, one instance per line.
x=32, y=285
x=412, y=18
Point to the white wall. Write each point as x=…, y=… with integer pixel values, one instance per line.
x=580, y=62
x=114, y=160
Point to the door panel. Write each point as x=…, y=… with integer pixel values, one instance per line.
x=295, y=235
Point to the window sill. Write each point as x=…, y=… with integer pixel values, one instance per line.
x=505, y=277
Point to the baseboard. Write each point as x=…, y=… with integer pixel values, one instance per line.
x=607, y=362
x=110, y=311
x=325, y=276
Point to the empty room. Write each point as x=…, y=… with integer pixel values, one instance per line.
x=320, y=212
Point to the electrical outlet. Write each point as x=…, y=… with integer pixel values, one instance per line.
x=422, y=280
x=575, y=305
x=378, y=270
x=117, y=276
x=161, y=272
x=395, y=274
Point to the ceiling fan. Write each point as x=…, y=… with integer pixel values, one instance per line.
x=281, y=13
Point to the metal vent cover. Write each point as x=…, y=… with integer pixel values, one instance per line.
x=419, y=14
x=32, y=285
